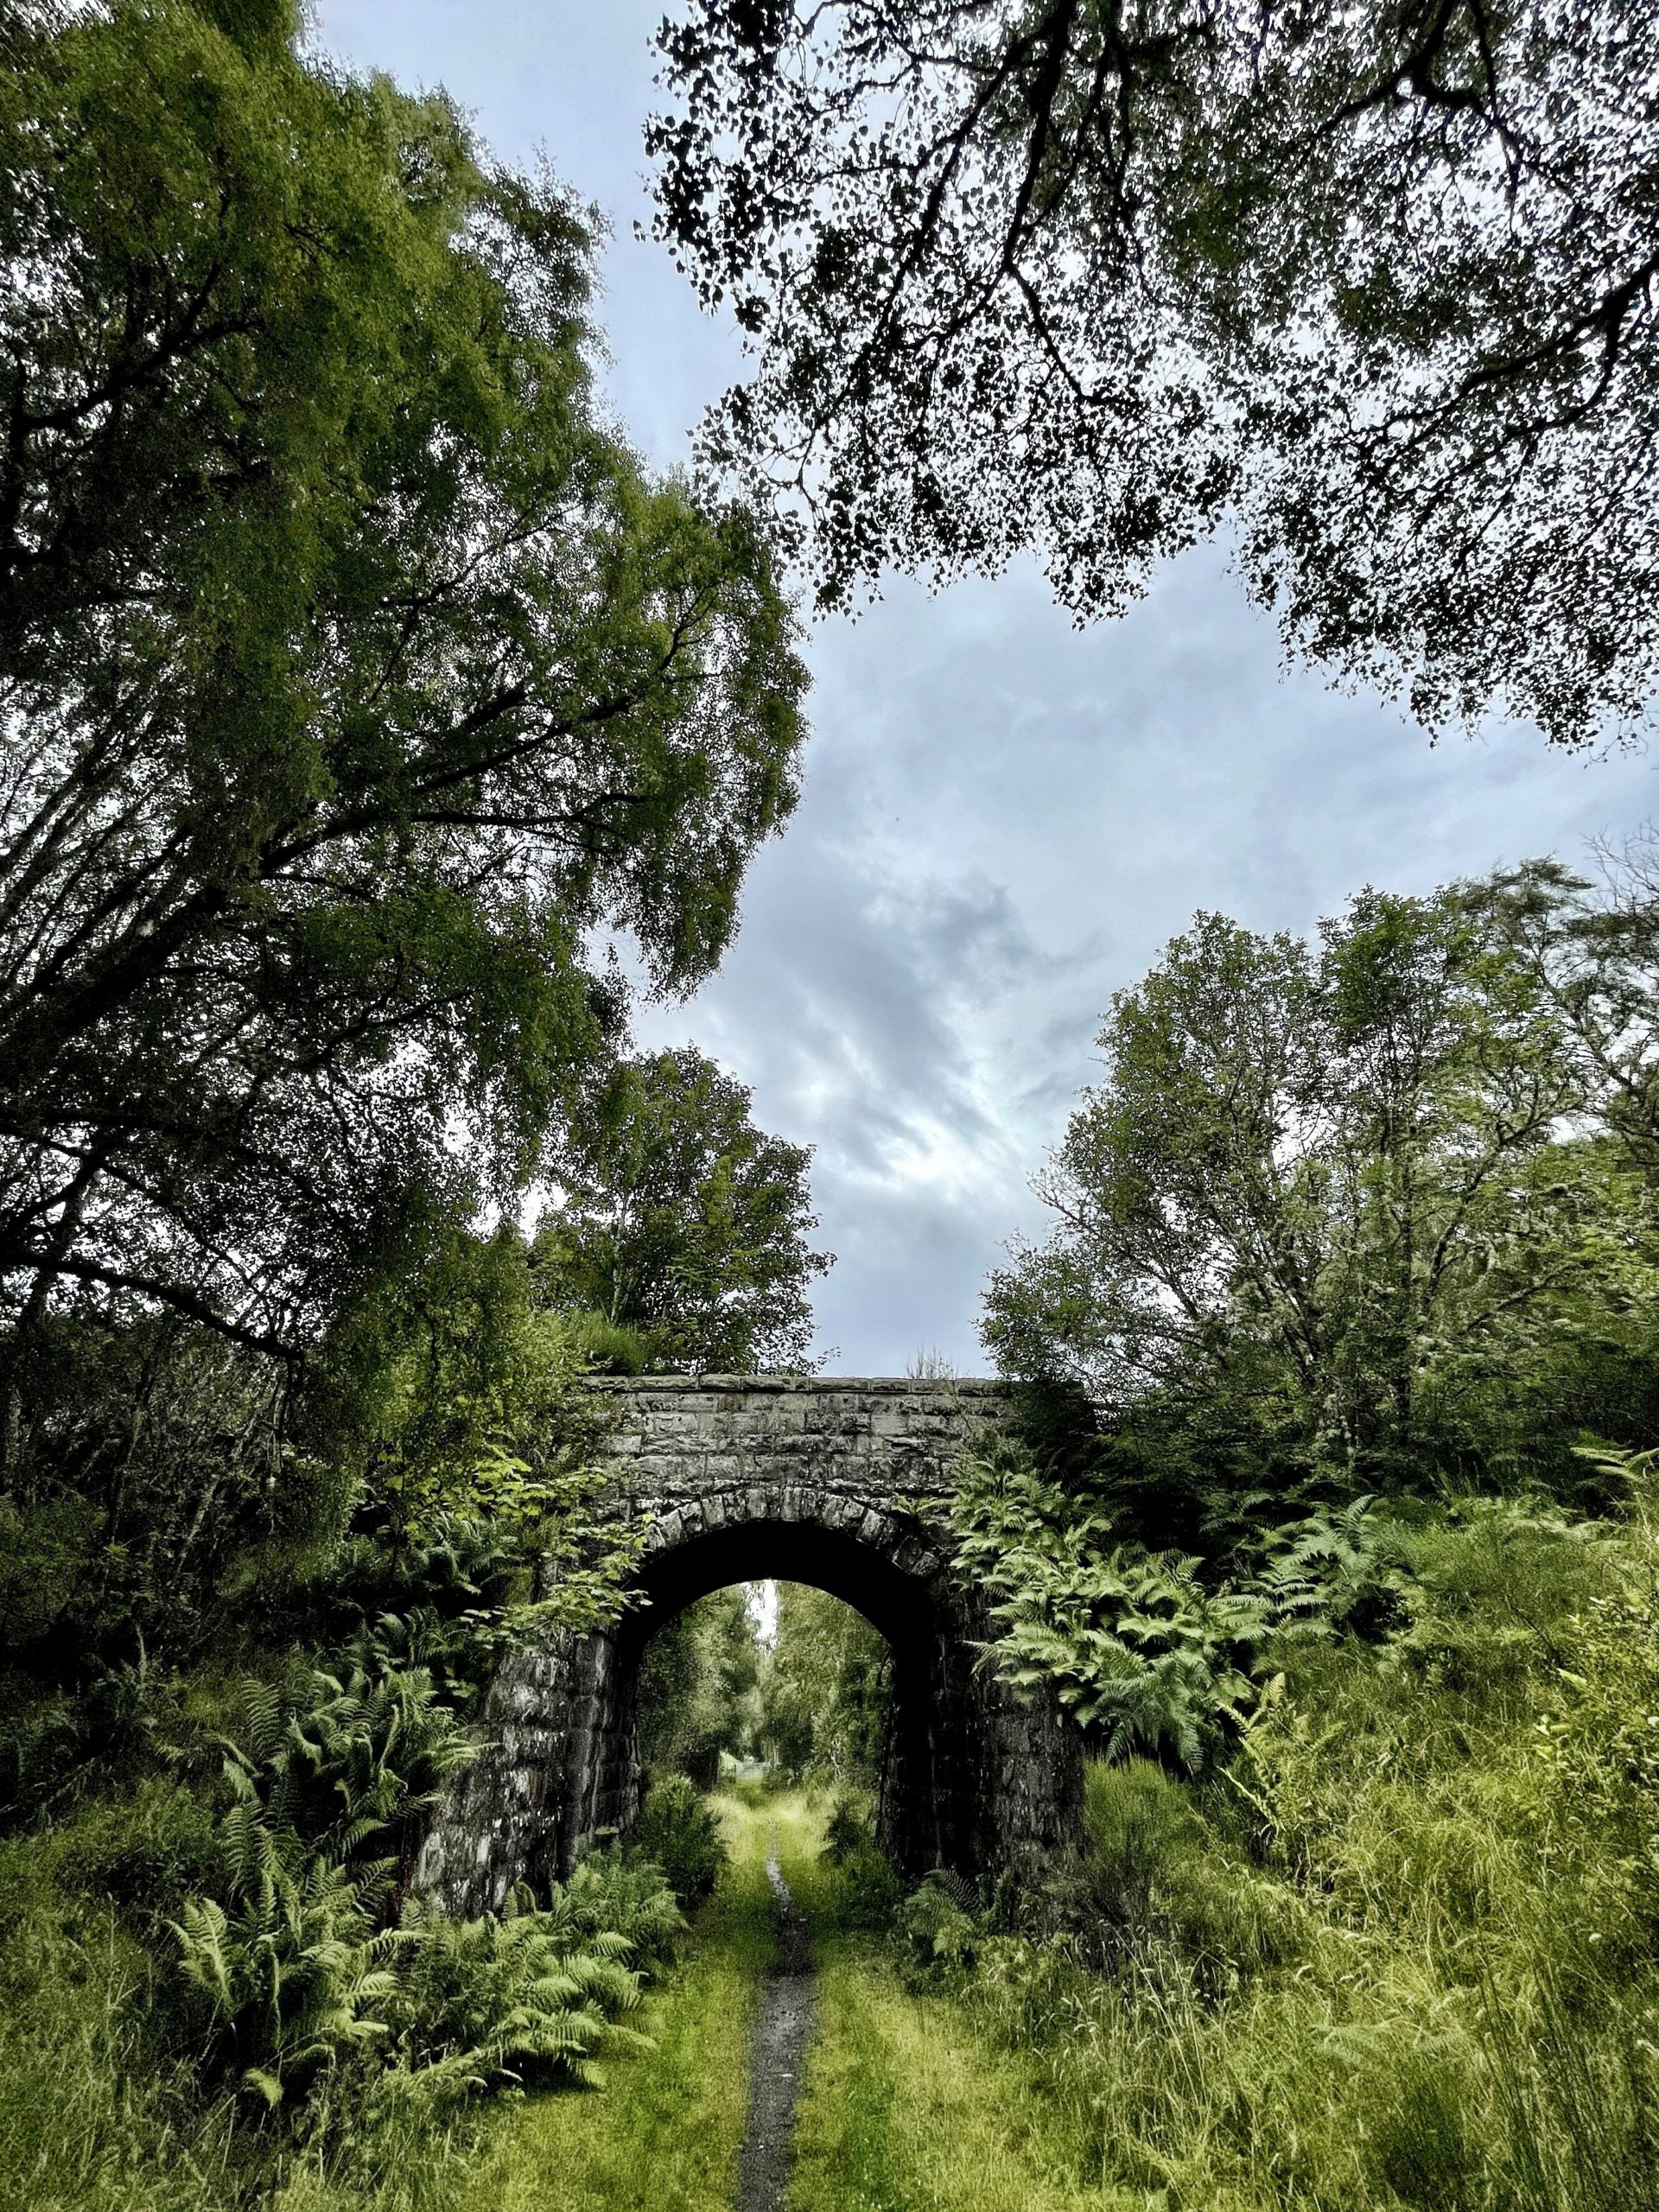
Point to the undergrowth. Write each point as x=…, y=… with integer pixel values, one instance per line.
x=211, y=2003
x=1398, y=1948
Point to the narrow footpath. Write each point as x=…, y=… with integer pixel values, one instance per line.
x=788, y=2065
x=788, y=2004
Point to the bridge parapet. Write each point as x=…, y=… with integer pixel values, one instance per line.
x=679, y=1436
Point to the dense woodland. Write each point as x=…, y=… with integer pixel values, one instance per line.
x=362, y=691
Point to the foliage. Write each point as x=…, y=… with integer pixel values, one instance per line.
x=294, y=1958
x=696, y=1687
x=515, y=1998
x=679, y=1220
x=1590, y=949
x=356, y=679
x=145, y=1532
x=1369, y=291
x=1126, y=1641
x=107, y=2109
x=357, y=686
x=306, y=1956
x=1340, y=1216
x=849, y=1829
x=1172, y=1656
x=824, y=1690
x=294, y=1975
x=1398, y=1946
x=669, y=2129
x=863, y=1893
x=938, y=1922
x=613, y=1893
x=678, y=1831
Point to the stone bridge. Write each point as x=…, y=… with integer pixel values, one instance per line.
x=745, y=1478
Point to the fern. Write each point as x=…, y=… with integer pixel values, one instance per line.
x=293, y=1961
x=1127, y=1640
x=517, y=1999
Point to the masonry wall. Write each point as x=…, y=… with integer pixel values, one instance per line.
x=824, y=1481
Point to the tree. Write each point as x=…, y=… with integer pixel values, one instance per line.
x=1371, y=290
x=1321, y=1191
x=824, y=1689
x=681, y=1223
x=354, y=678
x=1592, y=952
x=696, y=1687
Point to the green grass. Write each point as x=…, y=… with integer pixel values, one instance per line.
x=96, y=2117
x=907, y=2105
x=908, y=2108
x=664, y=2133
x=1403, y=1955
x=97, y=2113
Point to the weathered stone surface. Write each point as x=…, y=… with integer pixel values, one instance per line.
x=811, y=1480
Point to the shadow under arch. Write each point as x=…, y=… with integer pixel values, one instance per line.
x=929, y=1809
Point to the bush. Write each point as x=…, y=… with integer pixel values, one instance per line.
x=850, y=1829
x=144, y=1851
x=863, y=1893
x=1154, y=1865
x=1399, y=1950
x=630, y=1898
x=938, y=1923
x=517, y=1999
x=677, y=1831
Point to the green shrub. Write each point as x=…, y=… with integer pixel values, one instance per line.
x=519, y=1998
x=627, y=1898
x=295, y=1974
x=1153, y=1865
x=1399, y=1949
x=144, y=1852
x=863, y=1893
x=1130, y=1641
x=850, y=1828
x=678, y=1832
x=938, y=1923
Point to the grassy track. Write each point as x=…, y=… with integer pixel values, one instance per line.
x=904, y=2108
x=666, y=2129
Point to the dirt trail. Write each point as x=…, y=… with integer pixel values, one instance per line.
x=787, y=2003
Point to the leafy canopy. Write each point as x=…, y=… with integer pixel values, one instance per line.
x=353, y=675
x=684, y=1226
x=1368, y=289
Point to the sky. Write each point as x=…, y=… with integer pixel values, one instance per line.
x=1004, y=818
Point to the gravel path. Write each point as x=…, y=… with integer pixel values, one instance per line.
x=787, y=2003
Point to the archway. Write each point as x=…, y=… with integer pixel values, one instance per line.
x=929, y=1809
x=825, y=1482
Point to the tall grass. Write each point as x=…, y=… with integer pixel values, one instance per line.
x=99, y=2112
x=905, y=2107
x=1403, y=1951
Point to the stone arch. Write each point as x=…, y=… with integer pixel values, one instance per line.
x=744, y=1478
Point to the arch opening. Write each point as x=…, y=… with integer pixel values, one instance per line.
x=926, y=1807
